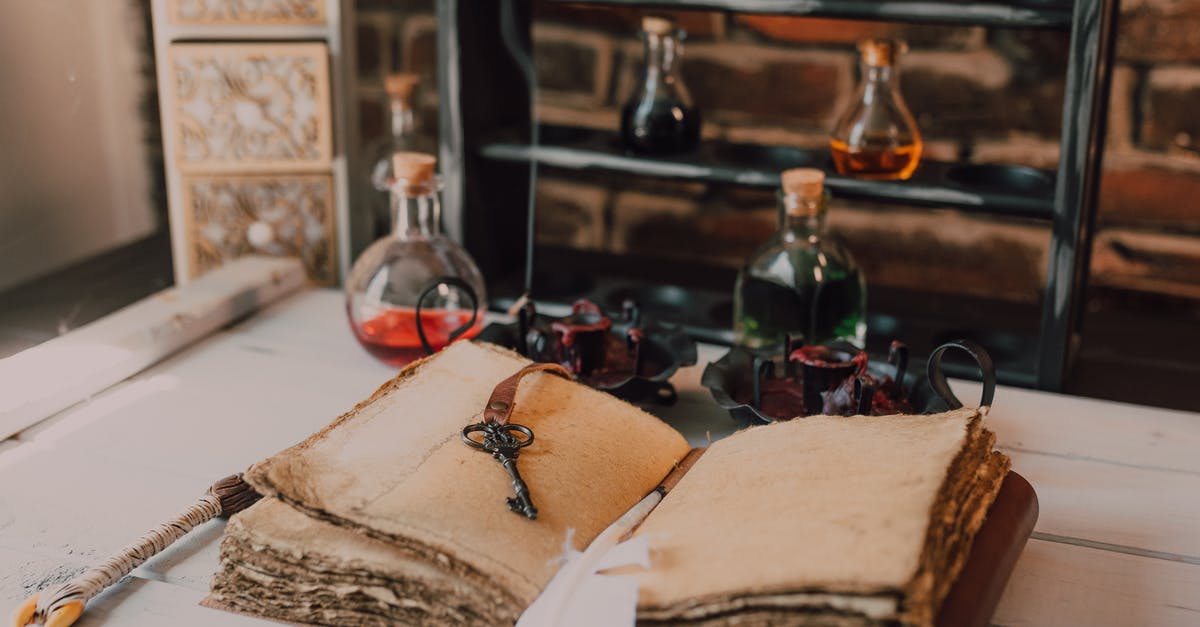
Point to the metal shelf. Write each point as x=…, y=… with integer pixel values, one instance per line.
x=484, y=51
x=1002, y=190
x=1020, y=14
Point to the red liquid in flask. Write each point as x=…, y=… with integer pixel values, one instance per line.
x=392, y=335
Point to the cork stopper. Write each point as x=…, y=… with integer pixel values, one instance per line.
x=806, y=183
x=400, y=85
x=415, y=169
x=881, y=52
x=656, y=25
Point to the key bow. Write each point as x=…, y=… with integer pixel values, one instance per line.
x=499, y=440
x=504, y=439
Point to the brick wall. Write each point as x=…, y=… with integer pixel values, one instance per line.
x=983, y=95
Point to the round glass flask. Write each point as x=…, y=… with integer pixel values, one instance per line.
x=414, y=291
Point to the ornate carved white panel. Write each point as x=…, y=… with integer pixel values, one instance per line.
x=247, y=12
x=250, y=107
x=283, y=215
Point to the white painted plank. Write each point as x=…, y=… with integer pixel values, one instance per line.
x=246, y=392
x=312, y=323
x=76, y=512
x=190, y=562
x=1059, y=584
x=217, y=410
x=312, y=326
x=24, y=573
x=1152, y=510
x=47, y=378
x=1072, y=426
x=141, y=603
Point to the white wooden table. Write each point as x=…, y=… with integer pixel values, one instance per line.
x=1117, y=541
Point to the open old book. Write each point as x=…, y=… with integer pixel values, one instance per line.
x=386, y=517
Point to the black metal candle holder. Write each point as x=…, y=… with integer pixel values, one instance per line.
x=760, y=387
x=626, y=356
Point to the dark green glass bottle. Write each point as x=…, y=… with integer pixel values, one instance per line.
x=801, y=281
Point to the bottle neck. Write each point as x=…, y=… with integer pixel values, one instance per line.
x=403, y=122
x=802, y=218
x=416, y=211
x=662, y=59
x=876, y=77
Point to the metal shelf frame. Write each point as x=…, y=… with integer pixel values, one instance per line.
x=936, y=184
x=483, y=96
x=1018, y=14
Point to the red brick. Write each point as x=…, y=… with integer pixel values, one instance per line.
x=565, y=66
x=654, y=224
x=896, y=247
x=945, y=251
x=563, y=110
x=775, y=87
x=574, y=63
x=1160, y=31
x=1147, y=262
x=815, y=30
x=1150, y=196
x=1036, y=153
x=570, y=214
x=954, y=106
x=698, y=24
x=1033, y=55
x=1121, y=111
x=1168, y=117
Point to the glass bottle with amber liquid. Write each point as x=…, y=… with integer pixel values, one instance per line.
x=660, y=117
x=416, y=290
x=801, y=281
x=877, y=137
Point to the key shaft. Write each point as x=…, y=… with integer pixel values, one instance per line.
x=505, y=447
x=522, y=503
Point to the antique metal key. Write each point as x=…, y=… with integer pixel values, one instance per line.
x=503, y=439
x=504, y=442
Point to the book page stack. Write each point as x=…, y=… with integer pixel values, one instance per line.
x=386, y=517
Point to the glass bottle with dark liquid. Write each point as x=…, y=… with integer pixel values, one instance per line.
x=415, y=265
x=801, y=281
x=660, y=117
x=877, y=137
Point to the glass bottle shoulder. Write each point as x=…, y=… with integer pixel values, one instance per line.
x=797, y=260
x=415, y=261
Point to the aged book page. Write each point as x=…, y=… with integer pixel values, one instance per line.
x=395, y=468
x=279, y=563
x=831, y=516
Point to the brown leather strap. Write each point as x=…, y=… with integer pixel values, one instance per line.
x=500, y=405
